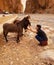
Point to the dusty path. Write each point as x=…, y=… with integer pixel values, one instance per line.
x=27, y=51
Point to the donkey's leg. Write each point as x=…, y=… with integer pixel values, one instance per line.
x=18, y=38
x=5, y=35
x=21, y=33
x=25, y=30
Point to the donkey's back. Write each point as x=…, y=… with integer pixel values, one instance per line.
x=9, y=27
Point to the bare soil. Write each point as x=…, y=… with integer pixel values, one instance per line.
x=27, y=51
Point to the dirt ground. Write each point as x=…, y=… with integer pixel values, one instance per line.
x=6, y=17
x=27, y=51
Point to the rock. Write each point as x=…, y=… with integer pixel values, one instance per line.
x=17, y=59
x=48, y=54
x=11, y=63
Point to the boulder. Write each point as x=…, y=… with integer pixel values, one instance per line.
x=48, y=54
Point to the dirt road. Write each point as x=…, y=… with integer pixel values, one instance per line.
x=27, y=51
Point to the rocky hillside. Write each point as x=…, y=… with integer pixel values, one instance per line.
x=32, y=6
x=40, y=6
x=11, y=5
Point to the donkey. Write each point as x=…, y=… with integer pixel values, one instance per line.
x=25, y=19
x=17, y=28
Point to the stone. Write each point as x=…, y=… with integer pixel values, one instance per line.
x=11, y=63
x=48, y=54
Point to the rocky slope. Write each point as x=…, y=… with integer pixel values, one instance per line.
x=11, y=5
x=32, y=6
x=40, y=6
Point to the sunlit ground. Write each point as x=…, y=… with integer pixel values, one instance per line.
x=27, y=51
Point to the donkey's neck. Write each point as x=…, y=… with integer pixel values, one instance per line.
x=22, y=23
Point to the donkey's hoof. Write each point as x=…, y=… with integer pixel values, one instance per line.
x=6, y=40
x=18, y=41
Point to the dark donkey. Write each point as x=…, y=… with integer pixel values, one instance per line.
x=26, y=23
x=17, y=28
